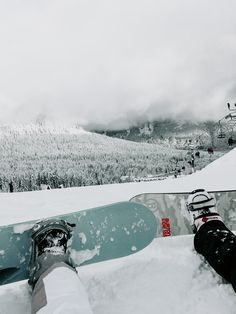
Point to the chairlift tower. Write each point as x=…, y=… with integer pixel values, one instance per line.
x=227, y=124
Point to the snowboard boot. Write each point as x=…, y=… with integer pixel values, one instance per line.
x=202, y=208
x=50, y=243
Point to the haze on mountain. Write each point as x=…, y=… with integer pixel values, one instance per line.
x=111, y=63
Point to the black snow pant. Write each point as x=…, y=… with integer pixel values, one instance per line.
x=218, y=245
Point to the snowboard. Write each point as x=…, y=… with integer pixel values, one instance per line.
x=172, y=216
x=100, y=234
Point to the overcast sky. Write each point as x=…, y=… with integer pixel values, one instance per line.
x=112, y=61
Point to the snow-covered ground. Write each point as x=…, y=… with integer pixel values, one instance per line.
x=166, y=277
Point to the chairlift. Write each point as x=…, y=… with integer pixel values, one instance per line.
x=230, y=108
x=221, y=135
x=231, y=141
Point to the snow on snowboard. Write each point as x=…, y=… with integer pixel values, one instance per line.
x=171, y=214
x=100, y=234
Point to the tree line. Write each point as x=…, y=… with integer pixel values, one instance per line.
x=29, y=160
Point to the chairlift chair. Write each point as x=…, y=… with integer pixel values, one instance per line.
x=221, y=135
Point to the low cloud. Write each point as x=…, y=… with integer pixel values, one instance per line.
x=112, y=62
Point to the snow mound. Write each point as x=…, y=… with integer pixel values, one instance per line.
x=166, y=277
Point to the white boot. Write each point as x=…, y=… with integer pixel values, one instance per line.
x=202, y=208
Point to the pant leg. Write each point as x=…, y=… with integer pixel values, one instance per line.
x=218, y=245
x=59, y=290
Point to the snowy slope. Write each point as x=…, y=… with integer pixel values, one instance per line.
x=16, y=207
x=166, y=277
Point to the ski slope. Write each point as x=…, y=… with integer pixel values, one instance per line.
x=166, y=277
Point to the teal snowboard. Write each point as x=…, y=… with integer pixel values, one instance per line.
x=171, y=214
x=100, y=234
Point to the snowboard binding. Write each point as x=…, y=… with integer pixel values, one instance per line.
x=51, y=235
x=202, y=208
x=50, y=243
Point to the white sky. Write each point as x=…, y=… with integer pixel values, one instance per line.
x=112, y=61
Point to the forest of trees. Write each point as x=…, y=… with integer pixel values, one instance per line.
x=34, y=158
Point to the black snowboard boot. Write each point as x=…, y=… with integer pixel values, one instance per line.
x=202, y=208
x=49, y=245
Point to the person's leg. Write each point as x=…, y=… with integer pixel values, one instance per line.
x=59, y=290
x=213, y=239
x=218, y=245
x=56, y=287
